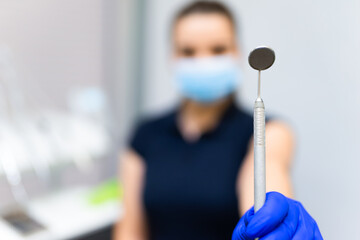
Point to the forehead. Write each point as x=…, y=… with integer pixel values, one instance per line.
x=203, y=28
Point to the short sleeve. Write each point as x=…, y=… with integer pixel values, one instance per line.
x=137, y=140
x=270, y=118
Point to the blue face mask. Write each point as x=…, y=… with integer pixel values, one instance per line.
x=209, y=79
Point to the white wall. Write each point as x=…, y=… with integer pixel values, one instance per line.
x=314, y=85
x=54, y=45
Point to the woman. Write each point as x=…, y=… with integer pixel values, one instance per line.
x=189, y=174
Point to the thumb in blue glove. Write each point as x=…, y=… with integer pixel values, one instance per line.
x=279, y=218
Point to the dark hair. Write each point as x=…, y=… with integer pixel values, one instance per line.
x=205, y=7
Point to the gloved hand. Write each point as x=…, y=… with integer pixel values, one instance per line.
x=280, y=218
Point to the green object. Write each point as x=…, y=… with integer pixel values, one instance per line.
x=108, y=191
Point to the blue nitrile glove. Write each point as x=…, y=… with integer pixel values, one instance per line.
x=280, y=218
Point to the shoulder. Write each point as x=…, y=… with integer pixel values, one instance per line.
x=280, y=130
x=280, y=139
x=155, y=122
x=147, y=129
x=275, y=126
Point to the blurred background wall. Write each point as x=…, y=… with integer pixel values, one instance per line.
x=52, y=63
x=314, y=85
x=60, y=114
x=54, y=46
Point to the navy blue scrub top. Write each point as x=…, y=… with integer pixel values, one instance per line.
x=190, y=187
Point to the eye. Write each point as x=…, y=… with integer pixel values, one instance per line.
x=218, y=50
x=187, y=52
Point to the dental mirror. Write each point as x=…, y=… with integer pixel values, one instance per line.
x=261, y=58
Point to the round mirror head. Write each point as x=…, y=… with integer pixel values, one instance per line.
x=261, y=58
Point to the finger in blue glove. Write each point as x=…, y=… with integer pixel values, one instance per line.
x=279, y=218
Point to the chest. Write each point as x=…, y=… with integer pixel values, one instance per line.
x=196, y=178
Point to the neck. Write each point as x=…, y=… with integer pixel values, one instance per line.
x=197, y=118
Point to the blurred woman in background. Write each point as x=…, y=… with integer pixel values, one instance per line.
x=189, y=173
